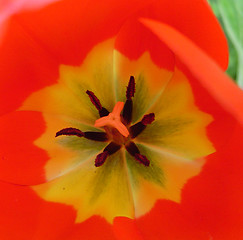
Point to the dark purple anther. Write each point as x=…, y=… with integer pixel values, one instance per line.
x=148, y=119
x=128, y=107
x=142, y=159
x=110, y=149
x=137, y=128
x=100, y=158
x=132, y=148
x=70, y=132
x=130, y=88
x=96, y=136
x=96, y=102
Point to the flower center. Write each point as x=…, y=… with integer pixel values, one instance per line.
x=113, y=119
x=117, y=125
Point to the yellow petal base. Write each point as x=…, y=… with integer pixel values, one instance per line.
x=174, y=143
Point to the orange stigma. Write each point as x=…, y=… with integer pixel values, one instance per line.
x=114, y=120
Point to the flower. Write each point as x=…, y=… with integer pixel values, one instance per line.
x=149, y=62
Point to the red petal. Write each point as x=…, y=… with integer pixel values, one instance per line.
x=93, y=228
x=18, y=212
x=195, y=20
x=210, y=75
x=67, y=30
x=25, y=66
x=167, y=221
x=71, y=28
x=26, y=216
x=213, y=199
x=36, y=42
x=134, y=39
x=21, y=161
x=125, y=228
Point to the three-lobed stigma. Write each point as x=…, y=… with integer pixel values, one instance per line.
x=117, y=125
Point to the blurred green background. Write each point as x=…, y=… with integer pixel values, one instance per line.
x=230, y=16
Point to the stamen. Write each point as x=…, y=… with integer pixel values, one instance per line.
x=127, y=112
x=70, y=132
x=132, y=148
x=130, y=88
x=142, y=159
x=100, y=159
x=128, y=108
x=137, y=128
x=110, y=149
x=103, y=112
x=96, y=136
x=96, y=102
x=148, y=119
x=114, y=120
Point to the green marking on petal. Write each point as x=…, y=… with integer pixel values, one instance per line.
x=153, y=173
x=113, y=169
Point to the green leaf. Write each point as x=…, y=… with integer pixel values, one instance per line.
x=230, y=15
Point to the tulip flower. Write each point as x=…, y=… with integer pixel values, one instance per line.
x=118, y=122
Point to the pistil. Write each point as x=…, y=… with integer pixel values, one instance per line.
x=114, y=120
